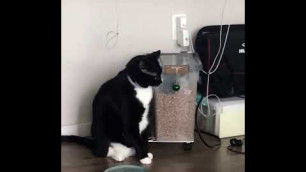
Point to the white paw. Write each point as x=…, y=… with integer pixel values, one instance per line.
x=146, y=160
x=118, y=157
x=150, y=155
x=110, y=152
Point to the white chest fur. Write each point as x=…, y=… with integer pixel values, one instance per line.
x=144, y=95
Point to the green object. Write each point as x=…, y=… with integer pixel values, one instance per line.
x=126, y=168
x=176, y=87
x=204, y=103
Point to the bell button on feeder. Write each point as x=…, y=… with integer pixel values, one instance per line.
x=176, y=87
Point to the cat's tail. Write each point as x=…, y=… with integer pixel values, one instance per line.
x=85, y=141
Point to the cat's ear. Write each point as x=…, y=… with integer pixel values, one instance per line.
x=155, y=54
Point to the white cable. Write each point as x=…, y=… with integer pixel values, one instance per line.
x=211, y=72
x=225, y=41
x=220, y=40
x=220, y=45
x=113, y=35
x=216, y=57
x=207, y=89
x=192, y=50
x=216, y=112
x=191, y=43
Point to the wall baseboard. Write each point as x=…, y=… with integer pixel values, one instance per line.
x=77, y=129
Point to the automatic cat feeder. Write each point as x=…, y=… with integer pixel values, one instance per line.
x=174, y=100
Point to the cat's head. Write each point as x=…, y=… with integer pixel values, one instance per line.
x=145, y=70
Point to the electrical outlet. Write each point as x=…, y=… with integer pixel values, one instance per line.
x=181, y=22
x=182, y=37
x=175, y=24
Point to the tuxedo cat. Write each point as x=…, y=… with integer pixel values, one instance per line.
x=120, y=111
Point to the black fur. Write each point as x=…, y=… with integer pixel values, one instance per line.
x=116, y=110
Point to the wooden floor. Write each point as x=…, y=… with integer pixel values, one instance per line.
x=168, y=157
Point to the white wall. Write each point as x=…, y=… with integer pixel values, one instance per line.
x=144, y=26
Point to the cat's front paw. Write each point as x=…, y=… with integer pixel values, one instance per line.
x=118, y=158
x=150, y=155
x=146, y=160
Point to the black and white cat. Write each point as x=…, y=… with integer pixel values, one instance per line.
x=120, y=111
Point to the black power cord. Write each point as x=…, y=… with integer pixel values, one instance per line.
x=199, y=131
x=236, y=143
